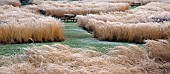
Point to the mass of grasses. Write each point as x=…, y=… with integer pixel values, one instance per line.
x=127, y=1
x=116, y=31
x=126, y=17
x=159, y=49
x=156, y=6
x=60, y=59
x=148, y=24
x=152, y=12
x=21, y=26
x=58, y=9
x=134, y=25
x=10, y=2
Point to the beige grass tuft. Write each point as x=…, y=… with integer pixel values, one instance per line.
x=21, y=26
x=159, y=49
x=15, y=3
x=116, y=31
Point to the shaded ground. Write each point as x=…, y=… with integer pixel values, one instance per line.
x=74, y=37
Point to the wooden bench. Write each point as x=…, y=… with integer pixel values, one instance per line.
x=136, y=4
x=69, y=17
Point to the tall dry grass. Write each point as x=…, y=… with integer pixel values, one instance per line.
x=79, y=8
x=138, y=16
x=124, y=1
x=19, y=26
x=129, y=1
x=157, y=5
x=159, y=49
x=60, y=59
x=116, y=31
x=10, y=2
x=151, y=12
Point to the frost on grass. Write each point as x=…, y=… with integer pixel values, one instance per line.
x=60, y=59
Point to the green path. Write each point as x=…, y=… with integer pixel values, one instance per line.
x=11, y=49
x=132, y=7
x=74, y=37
